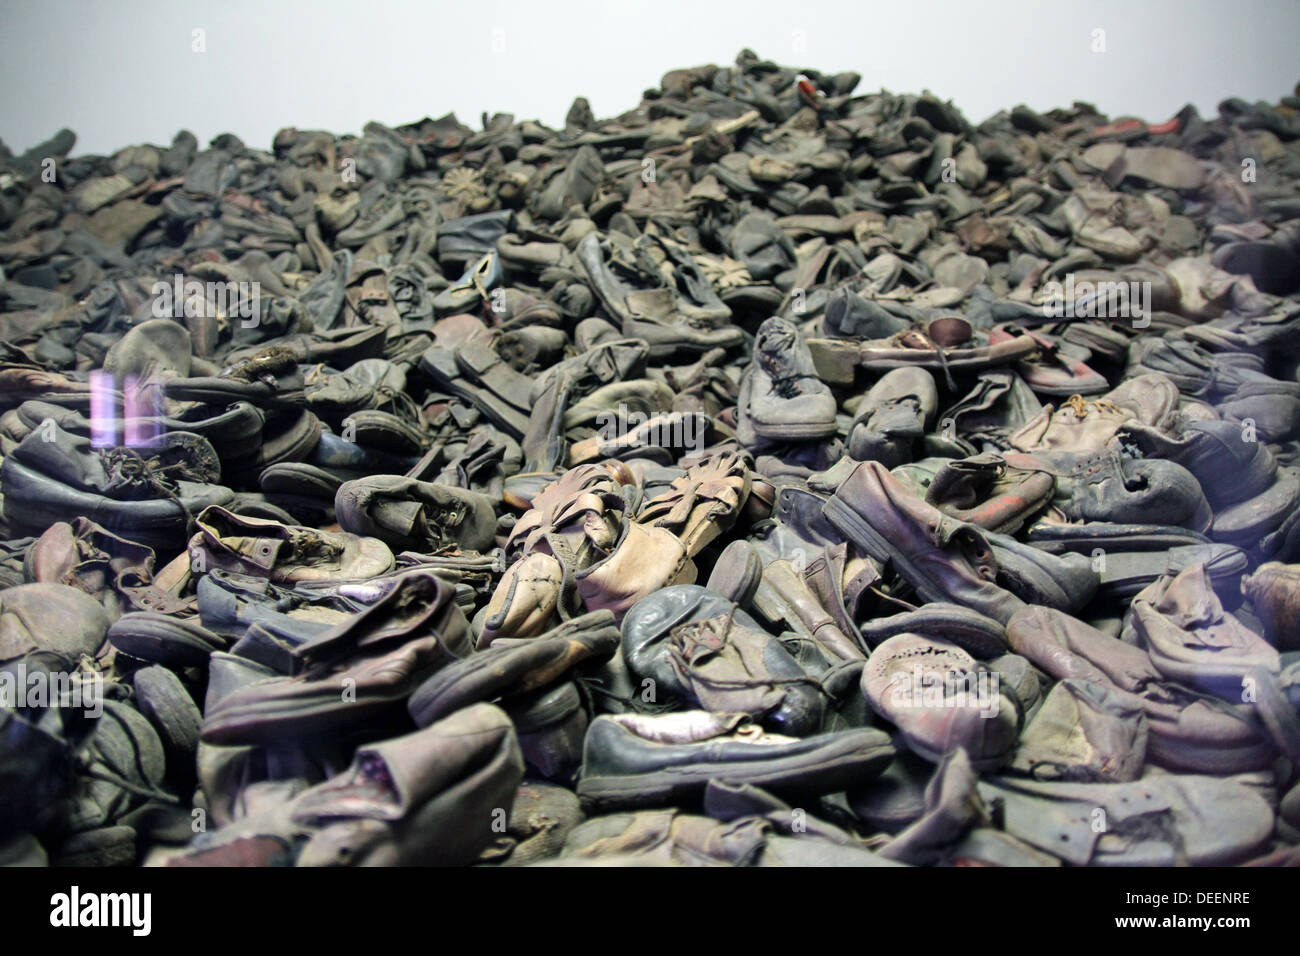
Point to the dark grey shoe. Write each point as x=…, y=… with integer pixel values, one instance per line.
x=633, y=760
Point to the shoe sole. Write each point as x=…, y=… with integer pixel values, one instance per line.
x=688, y=782
x=792, y=432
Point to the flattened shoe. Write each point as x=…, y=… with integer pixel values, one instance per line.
x=412, y=515
x=1168, y=820
x=1084, y=732
x=424, y=799
x=1192, y=640
x=163, y=639
x=1107, y=487
x=354, y=678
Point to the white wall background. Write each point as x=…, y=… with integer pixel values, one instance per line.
x=120, y=73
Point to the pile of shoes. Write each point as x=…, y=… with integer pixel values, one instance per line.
x=769, y=475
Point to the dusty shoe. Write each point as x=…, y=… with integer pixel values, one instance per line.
x=409, y=800
x=1109, y=488
x=541, y=819
x=1188, y=732
x=357, y=675
x=1192, y=640
x=283, y=553
x=897, y=411
x=54, y=476
x=1084, y=732
x=415, y=800
x=781, y=397
x=699, y=649
x=411, y=515
x=942, y=558
x=1228, y=468
x=1085, y=426
x=632, y=760
x=50, y=617
x=1169, y=812
x=986, y=491
x=1274, y=592
x=704, y=502
x=941, y=699
x=631, y=287
x=515, y=667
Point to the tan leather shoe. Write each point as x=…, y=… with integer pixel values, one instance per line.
x=702, y=503
x=283, y=553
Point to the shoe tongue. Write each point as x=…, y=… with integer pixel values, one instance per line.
x=654, y=305
x=403, y=517
x=259, y=552
x=1189, y=601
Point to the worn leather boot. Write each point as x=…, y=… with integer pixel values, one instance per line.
x=942, y=558
x=411, y=515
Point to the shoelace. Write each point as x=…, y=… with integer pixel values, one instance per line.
x=86, y=768
x=784, y=385
x=1079, y=405
x=893, y=600
x=161, y=478
x=402, y=404
x=722, y=632
x=942, y=355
